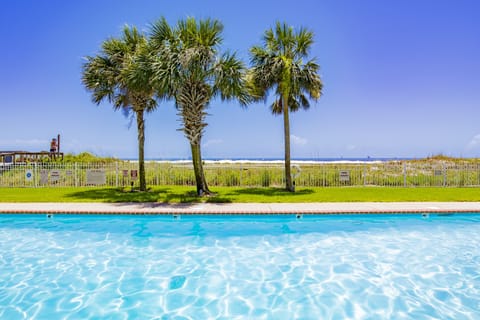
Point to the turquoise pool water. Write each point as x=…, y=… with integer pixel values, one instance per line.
x=240, y=267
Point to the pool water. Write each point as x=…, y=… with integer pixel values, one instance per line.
x=240, y=267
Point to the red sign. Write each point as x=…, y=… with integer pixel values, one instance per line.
x=134, y=174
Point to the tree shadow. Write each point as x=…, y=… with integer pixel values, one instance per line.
x=271, y=192
x=169, y=196
x=191, y=197
x=156, y=195
x=119, y=195
x=182, y=197
x=218, y=199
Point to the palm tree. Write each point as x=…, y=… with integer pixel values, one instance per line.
x=119, y=75
x=279, y=65
x=192, y=71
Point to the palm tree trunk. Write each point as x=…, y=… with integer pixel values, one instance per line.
x=141, y=151
x=286, y=129
x=202, y=187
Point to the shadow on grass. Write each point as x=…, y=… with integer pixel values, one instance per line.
x=218, y=199
x=182, y=197
x=119, y=195
x=157, y=195
x=271, y=192
x=191, y=197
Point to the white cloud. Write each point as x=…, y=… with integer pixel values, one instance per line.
x=298, y=140
x=474, y=143
x=211, y=142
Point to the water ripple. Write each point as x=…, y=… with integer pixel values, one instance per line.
x=153, y=269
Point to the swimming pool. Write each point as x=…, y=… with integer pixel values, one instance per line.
x=237, y=267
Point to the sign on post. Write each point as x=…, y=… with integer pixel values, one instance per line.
x=344, y=176
x=29, y=175
x=43, y=176
x=96, y=177
x=134, y=174
x=54, y=176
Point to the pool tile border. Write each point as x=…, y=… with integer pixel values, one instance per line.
x=240, y=208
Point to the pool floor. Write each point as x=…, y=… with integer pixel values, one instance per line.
x=238, y=267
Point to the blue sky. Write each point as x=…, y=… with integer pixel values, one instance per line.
x=401, y=79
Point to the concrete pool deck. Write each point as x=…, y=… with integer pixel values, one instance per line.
x=240, y=208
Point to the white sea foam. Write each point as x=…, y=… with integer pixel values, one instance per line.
x=246, y=161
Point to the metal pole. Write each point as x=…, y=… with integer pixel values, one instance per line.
x=35, y=174
x=58, y=145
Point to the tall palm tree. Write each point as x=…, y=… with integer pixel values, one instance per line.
x=192, y=71
x=279, y=65
x=119, y=75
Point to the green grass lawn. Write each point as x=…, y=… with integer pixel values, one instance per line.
x=176, y=194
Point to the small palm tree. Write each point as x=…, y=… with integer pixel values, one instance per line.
x=120, y=75
x=279, y=65
x=192, y=71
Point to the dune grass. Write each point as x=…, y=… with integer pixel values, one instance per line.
x=186, y=194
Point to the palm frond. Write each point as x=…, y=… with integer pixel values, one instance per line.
x=276, y=107
x=120, y=72
x=229, y=79
x=304, y=40
x=160, y=32
x=279, y=65
x=188, y=67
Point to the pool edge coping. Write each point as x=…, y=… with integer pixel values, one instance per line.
x=240, y=208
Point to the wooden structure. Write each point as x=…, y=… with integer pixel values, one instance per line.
x=25, y=156
x=12, y=157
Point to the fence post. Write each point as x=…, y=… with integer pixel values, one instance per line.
x=35, y=173
x=404, y=174
x=75, y=174
x=241, y=171
x=324, y=176
x=444, y=169
x=365, y=174
x=116, y=174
